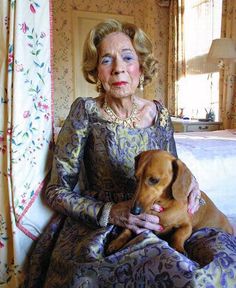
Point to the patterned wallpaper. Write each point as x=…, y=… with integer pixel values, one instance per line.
x=147, y=14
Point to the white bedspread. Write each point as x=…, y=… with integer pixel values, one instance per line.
x=211, y=156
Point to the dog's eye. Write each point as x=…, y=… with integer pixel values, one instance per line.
x=153, y=181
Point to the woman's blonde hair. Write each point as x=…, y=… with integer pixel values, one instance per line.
x=139, y=39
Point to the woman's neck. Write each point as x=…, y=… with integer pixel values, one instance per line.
x=122, y=107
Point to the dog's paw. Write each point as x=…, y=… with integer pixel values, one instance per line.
x=179, y=248
x=112, y=247
x=184, y=253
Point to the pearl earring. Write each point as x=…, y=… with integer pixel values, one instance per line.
x=99, y=86
x=141, y=82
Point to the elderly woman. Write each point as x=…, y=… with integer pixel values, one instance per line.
x=97, y=144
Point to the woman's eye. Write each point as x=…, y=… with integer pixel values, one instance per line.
x=153, y=181
x=128, y=58
x=106, y=60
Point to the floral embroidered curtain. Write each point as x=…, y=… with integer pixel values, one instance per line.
x=26, y=130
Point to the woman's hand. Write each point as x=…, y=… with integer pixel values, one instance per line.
x=120, y=215
x=194, y=196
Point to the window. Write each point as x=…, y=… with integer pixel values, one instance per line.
x=199, y=90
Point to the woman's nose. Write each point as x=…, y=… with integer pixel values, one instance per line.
x=118, y=66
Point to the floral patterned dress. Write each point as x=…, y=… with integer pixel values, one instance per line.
x=72, y=251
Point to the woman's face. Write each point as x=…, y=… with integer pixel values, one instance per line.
x=118, y=65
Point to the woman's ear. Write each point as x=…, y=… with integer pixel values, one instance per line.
x=182, y=180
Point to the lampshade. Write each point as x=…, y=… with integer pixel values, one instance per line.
x=223, y=49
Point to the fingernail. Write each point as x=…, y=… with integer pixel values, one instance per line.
x=161, y=229
x=190, y=211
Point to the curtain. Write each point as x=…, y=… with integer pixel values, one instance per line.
x=176, y=55
x=26, y=129
x=228, y=77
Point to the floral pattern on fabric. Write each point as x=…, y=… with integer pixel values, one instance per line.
x=25, y=131
x=73, y=250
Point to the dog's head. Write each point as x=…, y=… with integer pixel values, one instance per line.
x=160, y=176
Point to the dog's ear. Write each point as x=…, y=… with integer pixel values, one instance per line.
x=136, y=159
x=182, y=180
x=145, y=155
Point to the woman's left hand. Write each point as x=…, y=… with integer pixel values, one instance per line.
x=194, y=196
x=120, y=215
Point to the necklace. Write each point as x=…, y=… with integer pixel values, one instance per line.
x=128, y=122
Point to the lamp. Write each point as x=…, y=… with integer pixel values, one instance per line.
x=222, y=50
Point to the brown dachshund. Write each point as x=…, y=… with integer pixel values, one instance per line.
x=165, y=180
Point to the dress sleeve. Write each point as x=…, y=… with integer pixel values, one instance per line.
x=171, y=146
x=68, y=156
x=166, y=124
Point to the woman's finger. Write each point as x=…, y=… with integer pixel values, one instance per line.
x=194, y=201
x=148, y=218
x=147, y=221
x=194, y=196
x=142, y=226
x=157, y=208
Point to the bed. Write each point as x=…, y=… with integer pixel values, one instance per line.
x=211, y=156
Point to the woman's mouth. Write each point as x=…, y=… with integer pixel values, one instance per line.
x=119, y=84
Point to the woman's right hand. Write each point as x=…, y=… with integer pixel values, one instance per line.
x=120, y=215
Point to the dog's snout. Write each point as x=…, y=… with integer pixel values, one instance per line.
x=136, y=209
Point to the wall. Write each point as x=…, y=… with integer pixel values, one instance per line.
x=147, y=14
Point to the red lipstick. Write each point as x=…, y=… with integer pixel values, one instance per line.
x=120, y=83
